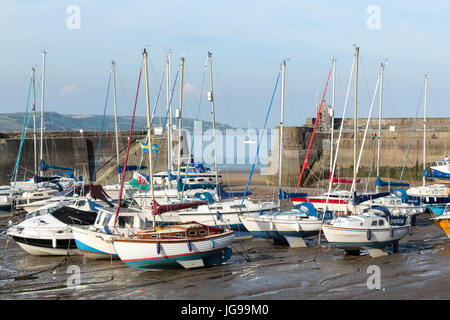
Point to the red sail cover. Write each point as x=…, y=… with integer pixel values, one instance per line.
x=161, y=208
x=336, y=180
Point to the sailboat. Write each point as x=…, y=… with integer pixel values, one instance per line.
x=223, y=212
x=293, y=225
x=338, y=201
x=373, y=228
x=189, y=245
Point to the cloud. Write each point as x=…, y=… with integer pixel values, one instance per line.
x=70, y=88
x=191, y=89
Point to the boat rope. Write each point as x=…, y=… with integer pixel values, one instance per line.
x=128, y=147
x=24, y=132
x=305, y=163
x=164, y=126
x=102, y=127
x=410, y=136
x=196, y=119
x=260, y=140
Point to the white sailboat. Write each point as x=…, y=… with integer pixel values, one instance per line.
x=293, y=225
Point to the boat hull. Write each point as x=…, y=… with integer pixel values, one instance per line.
x=94, y=245
x=444, y=224
x=47, y=247
x=356, y=239
x=279, y=229
x=143, y=254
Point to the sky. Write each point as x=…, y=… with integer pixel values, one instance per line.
x=248, y=41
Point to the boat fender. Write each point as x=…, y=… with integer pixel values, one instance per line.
x=410, y=230
x=54, y=243
x=392, y=232
x=158, y=247
x=218, y=215
x=260, y=212
x=271, y=225
x=369, y=234
x=297, y=227
x=211, y=243
x=189, y=245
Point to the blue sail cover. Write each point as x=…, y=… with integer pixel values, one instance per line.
x=129, y=168
x=406, y=198
x=288, y=195
x=45, y=167
x=365, y=197
x=381, y=183
x=191, y=186
x=230, y=194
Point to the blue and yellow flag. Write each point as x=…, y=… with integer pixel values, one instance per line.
x=144, y=147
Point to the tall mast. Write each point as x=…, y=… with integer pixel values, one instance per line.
x=280, y=146
x=180, y=117
x=149, y=133
x=332, y=116
x=425, y=125
x=33, y=108
x=113, y=71
x=42, y=112
x=211, y=99
x=379, y=123
x=355, y=137
x=169, y=107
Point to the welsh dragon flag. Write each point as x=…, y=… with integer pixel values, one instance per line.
x=139, y=181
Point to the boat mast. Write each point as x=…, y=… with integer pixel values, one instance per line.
x=379, y=123
x=42, y=112
x=113, y=71
x=169, y=131
x=149, y=133
x=211, y=99
x=355, y=120
x=280, y=143
x=180, y=117
x=332, y=116
x=33, y=108
x=425, y=126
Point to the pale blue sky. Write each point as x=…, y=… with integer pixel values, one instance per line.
x=248, y=39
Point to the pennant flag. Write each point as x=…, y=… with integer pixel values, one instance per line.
x=139, y=181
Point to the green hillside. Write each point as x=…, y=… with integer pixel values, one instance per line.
x=64, y=122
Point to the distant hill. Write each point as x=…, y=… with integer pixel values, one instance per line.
x=66, y=122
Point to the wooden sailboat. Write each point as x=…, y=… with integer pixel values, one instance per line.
x=188, y=245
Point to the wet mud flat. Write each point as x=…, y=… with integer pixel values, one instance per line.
x=258, y=269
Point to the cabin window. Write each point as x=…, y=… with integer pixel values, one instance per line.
x=201, y=232
x=38, y=194
x=154, y=236
x=192, y=233
x=374, y=223
x=200, y=180
x=81, y=203
x=381, y=222
x=178, y=235
x=191, y=180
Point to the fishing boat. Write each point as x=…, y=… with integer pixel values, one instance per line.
x=46, y=231
x=443, y=220
x=375, y=228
